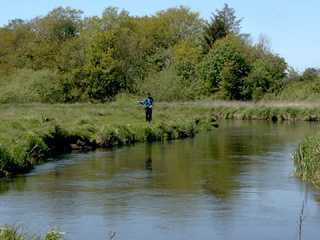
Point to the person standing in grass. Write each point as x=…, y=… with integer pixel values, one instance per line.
x=148, y=104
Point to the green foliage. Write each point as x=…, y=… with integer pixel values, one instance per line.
x=53, y=235
x=59, y=25
x=10, y=233
x=232, y=81
x=306, y=159
x=101, y=77
x=223, y=23
x=168, y=85
x=14, y=233
x=258, y=81
x=186, y=56
x=63, y=57
x=31, y=86
x=297, y=90
x=310, y=74
x=230, y=50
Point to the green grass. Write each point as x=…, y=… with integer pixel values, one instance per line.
x=307, y=160
x=31, y=133
x=263, y=110
x=15, y=233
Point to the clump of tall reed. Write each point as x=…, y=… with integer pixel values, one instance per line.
x=15, y=233
x=307, y=160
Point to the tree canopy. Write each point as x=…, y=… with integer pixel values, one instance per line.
x=95, y=58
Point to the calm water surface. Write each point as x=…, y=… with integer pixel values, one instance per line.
x=232, y=183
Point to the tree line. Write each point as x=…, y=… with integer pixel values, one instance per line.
x=174, y=54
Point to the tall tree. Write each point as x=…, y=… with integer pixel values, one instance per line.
x=223, y=22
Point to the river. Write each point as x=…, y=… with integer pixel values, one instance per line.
x=235, y=182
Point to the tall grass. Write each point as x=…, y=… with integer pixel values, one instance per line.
x=15, y=233
x=307, y=160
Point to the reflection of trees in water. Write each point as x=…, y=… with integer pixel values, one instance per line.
x=15, y=184
x=237, y=149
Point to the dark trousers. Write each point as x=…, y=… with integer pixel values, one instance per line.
x=148, y=114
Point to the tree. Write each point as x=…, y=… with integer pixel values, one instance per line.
x=186, y=56
x=101, y=77
x=15, y=41
x=310, y=74
x=258, y=82
x=58, y=25
x=223, y=22
x=232, y=80
x=229, y=50
x=180, y=23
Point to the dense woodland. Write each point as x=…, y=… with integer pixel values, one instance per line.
x=174, y=54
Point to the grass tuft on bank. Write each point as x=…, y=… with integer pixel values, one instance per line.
x=15, y=233
x=307, y=160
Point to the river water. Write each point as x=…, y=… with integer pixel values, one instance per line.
x=235, y=182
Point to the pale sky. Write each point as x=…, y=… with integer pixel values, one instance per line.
x=291, y=25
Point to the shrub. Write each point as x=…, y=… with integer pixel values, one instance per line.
x=168, y=86
x=27, y=85
x=225, y=51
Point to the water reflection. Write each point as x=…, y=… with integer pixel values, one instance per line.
x=15, y=184
x=148, y=157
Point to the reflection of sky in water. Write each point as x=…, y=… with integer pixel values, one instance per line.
x=233, y=183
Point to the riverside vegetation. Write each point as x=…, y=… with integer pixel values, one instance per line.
x=307, y=160
x=31, y=133
x=14, y=233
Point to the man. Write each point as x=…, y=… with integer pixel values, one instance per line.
x=148, y=104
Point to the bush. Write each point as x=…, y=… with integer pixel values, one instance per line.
x=227, y=50
x=27, y=85
x=310, y=74
x=258, y=81
x=231, y=81
x=168, y=86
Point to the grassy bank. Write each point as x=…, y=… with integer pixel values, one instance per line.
x=268, y=110
x=32, y=133
x=307, y=160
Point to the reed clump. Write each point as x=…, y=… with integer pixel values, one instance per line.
x=307, y=160
x=15, y=233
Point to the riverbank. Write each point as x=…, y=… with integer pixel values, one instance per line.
x=307, y=160
x=32, y=133
x=264, y=110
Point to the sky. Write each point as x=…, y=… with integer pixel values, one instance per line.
x=290, y=25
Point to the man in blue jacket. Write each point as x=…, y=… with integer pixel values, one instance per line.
x=148, y=104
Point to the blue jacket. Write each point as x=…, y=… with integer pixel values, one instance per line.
x=148, y=102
